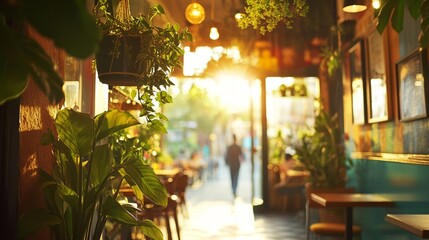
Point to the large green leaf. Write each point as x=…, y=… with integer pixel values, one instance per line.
x=13, y=74
x=13, y=78
x=101, y=164
x=76, y=130
x=66, y=170
x=68, y=173
x=150, y=230
x=49, y=188
x=67, y=22
x=19, y=57
x=69, y=196
x=42, y=70
x=384, y=15
x=414, y=7
x=110, y=122
x=398, y=16
x=34, y=220
x=112, y=209
x=145, y=178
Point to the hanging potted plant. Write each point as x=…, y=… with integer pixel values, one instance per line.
x=136, y=52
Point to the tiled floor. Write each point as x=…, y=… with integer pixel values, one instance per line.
x=214, y=215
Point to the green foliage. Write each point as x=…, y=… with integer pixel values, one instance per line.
x=158, y=55
x=138, y=142
x=82, y=190
x=332, y=58
x=265, y=15
x=66, y=22
x=277, y=149
x=393, y=11
x=322, y=153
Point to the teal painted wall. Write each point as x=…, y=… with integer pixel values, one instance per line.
x=406, y=184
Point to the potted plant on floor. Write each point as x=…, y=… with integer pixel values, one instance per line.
x=82, y=192
x=322, y=153
x=136, y=52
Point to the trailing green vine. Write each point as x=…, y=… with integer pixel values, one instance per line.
x=265, y=15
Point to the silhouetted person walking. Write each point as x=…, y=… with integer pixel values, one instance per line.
x=234, y=157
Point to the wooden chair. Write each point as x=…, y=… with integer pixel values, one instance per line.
x=152, y=211
x=181, y=183
x=293, y=186
x=326, y=228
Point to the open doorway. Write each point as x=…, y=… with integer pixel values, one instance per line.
x=205, y=114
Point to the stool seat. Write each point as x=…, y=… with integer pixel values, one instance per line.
x=327, y=228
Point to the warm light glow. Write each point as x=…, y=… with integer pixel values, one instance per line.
x=238, y=16
x=233, y=90
x=289, y=81
x=31, y=118
x=194, y=63
x=212, y=136
x=376, y=4
x=214, y=33
x=194, y=13
x=419, y=80
x=354, y=8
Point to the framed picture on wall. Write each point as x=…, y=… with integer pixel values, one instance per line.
x=356, y=63
x=412, y=99
x=378, y=105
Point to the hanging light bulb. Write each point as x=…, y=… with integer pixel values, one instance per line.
x=376, y=4
x=238, y=15
x=354, y=6
x=214, y=33
x=195, y=13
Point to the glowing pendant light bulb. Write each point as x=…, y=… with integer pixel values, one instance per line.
x=195, y=13
x=214, y=33
x=354, y=6
x=376, y=4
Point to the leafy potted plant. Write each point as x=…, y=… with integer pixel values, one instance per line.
x=322, y=153
x=136, y=52
x=82, y=190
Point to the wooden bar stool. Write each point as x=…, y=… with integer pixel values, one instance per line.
x=326, y=229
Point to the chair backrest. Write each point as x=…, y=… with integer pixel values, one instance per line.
x=181, y=180
x=169, y=184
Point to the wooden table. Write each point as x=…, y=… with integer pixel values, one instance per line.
x=348, y=201
x=417, y=224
